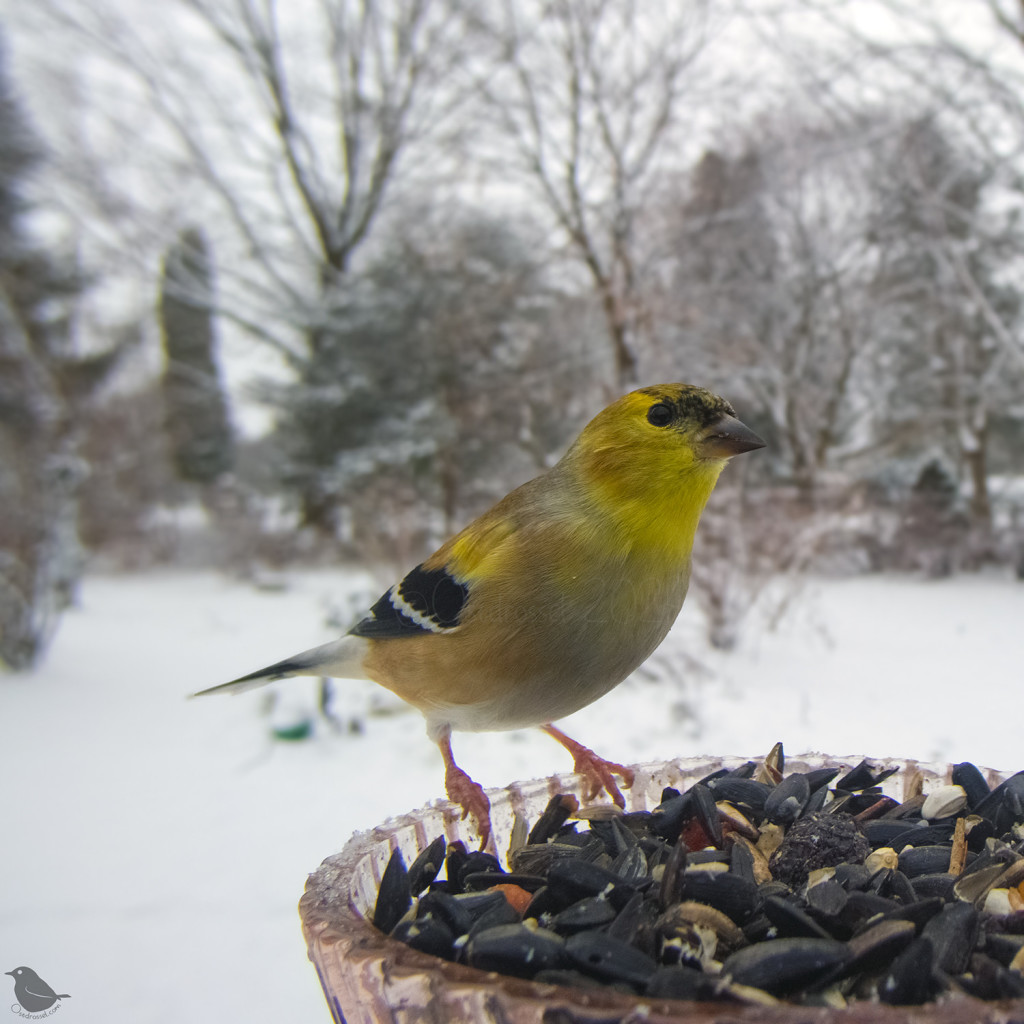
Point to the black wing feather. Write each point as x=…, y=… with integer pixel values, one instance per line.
x=426, y=601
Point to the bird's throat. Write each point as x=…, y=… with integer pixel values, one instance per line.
x=661, y=520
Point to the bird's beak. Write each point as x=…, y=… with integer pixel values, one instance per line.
x=727, y=437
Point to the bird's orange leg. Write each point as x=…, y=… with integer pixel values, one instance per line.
x=596, y=770
x=462, y=790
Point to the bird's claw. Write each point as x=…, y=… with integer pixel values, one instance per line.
x=470, y=796
x=599, y=775
x=596, y=770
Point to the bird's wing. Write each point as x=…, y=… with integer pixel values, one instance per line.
x=433, y=596
x=426, y=601
x=41, y=989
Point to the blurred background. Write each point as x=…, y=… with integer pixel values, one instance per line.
x=295, y=287
x=319, y=281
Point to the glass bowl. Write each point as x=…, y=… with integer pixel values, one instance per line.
x=368, y=977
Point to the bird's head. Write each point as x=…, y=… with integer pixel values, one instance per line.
x=21, y=972
x=656, y=454
x=671, y=427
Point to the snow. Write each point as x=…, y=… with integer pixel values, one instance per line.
x=154, y=848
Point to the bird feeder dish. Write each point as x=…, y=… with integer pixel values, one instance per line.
x=370, y=978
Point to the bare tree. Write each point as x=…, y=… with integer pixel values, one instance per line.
x=289, y=131
x=865, y=275
x=589, y=98
x=283, y=130
x=946, y=58
x=776, y=286
x=953, y=253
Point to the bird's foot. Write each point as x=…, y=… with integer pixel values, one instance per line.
x=462, y=790
x=596, y=770
x=470, y=796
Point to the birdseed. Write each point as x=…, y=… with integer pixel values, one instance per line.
x=752, y=886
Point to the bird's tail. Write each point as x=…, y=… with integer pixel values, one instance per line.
x=343, y=658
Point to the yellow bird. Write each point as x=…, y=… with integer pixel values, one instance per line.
x=555, y=595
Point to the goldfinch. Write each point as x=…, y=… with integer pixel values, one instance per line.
x=555, y=595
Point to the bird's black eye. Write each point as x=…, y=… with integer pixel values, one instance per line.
x=659, y=415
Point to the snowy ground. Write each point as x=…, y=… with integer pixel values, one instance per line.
x=154, y=848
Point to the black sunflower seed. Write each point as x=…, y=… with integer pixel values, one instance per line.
x=953, y=932
x=790, y=921
x=393, y=896
x=515, y=949
x=988, y=979
x=826, y=899
x=933, y=885
x=746, y=794
x=571, y=880
x=554, y=817
x=908, y=981
x=1005, y=804
x=609, y=959
x=967, y=775
x=428, y=934
x=501, y=912
x=1003, y=947
x=443, y=907
x=589, y=912
x=620, y=900
x=784, y=965
x=924, y=860
x=787, y=800
x=707, y=812
x=734, y=896
x=425, y=867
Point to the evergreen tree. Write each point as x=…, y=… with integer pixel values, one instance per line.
x=421, y=382
x=197, y=414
